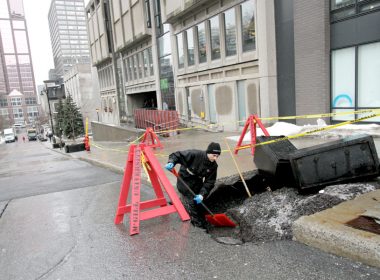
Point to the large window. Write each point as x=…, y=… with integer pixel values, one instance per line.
x=3, y=102
x=202, y=52
x=16, y=101
x=248, y=26
x=215, y=37
x=190, y=46
x=343, y=78
x=180, y=50
x=342, y=9
x=368, y=75
x=230, y=31
x=355, y=80
x=18, y=113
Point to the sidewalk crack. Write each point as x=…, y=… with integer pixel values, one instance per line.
x=59, y=263
x=5, y=207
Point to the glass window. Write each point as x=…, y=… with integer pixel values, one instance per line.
x=180, y=50
x=190, y=46
x=248, y=26
x=17, y=8
x=369, y=6
x=230, y=31
x=343, y=78
x=16, y=101
x=164, y=45
x=336, y=4
x=215, y=37
x=146, y=63
x=17, y=113
x=4, y=112
x=4, y=9
x=150, y=61
x=125, y=65
x=135, y=65
x=3, y=102
x=18, y=24
x=130, y=68
x=202, y=52
x=6, y=36
x=21, y=41
x=140, y=65
x=368, y=75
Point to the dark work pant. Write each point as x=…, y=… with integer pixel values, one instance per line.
x=196, y=211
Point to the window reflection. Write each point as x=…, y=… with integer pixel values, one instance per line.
x=248, y=26
x=230, y=31
x=17, y=7
x=18, y=24
x=21, y=41
x=164, y=45
x=215, y=38
x=6, y=36
x=180, y=50
x=336, y=4
x=202, y=52
x=4, y=9
x=190, y=46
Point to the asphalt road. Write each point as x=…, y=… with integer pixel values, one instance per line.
x=60, y=226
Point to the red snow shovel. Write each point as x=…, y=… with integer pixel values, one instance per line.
x=218, y=220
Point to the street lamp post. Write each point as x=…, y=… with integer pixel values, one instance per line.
x=97, y=113
x=51, y=118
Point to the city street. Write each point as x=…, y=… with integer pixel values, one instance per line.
x=56, y=222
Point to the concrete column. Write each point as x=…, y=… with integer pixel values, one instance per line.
x=266, y=48
x=312, y=57
x=155, y=56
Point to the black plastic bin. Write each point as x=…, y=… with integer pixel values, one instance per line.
x=72, y=148
x=272, y=160
x=348, y=159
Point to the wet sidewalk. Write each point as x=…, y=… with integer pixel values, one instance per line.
x=324, y=230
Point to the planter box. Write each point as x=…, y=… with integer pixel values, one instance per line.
x=74, y=148
x=57, y=145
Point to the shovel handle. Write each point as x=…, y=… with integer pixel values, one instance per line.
x=190, y=190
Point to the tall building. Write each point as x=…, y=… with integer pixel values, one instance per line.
x=18, y=101
x=219, y=61
x=68, y=34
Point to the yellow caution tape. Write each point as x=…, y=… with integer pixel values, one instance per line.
x=308, y=132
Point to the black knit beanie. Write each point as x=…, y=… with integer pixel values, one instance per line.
x=213, y=148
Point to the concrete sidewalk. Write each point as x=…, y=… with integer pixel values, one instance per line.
x=324, y=230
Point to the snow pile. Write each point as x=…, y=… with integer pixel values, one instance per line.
x=288, y=129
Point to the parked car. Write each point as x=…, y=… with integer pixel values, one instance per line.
x=42, y=137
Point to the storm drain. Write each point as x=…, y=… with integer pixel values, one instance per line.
x=365, y=223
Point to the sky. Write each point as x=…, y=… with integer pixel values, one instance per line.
x=36, y=13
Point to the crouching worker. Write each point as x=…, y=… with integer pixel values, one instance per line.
x=199, y=170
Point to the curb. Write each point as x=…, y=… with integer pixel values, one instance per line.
x=326, y=230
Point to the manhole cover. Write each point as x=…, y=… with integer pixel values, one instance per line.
x=365, y=223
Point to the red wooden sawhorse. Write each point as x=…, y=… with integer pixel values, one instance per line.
x=156, y=174
x=151, y=139
x=251, y=124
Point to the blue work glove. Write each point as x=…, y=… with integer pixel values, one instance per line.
x=198, y=198
x=169, y=166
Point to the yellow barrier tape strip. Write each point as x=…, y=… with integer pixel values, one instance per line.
x=309, y=132
x=326, y=115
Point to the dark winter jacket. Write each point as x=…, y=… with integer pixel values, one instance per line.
x=196, y=170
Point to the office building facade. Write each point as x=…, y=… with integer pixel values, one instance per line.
x=18, y=101
x=217, y=62
x=68, y=34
